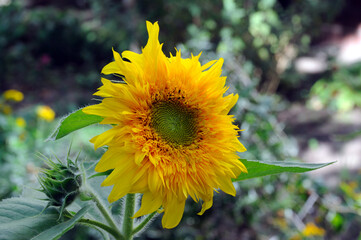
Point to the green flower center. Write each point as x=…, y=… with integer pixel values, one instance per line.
x=174, y=122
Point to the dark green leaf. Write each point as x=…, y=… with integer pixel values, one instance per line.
x=57, y=231
x=20, y=218
x=25, y=218
x=259, y=168
x=106, y=173
x=73, y=122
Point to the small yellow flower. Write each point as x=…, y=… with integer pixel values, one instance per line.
x=14, y=95
x=312, y=230
x=46, y=113
x=20, y=122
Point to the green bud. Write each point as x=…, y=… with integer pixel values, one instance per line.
x=60, y=183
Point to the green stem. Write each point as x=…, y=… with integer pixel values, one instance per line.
x=128, y=214
x=116, y=234
x=104, y=211
x=144, y=222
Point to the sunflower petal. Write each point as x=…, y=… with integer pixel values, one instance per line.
x=150, y=203
x=173, y=212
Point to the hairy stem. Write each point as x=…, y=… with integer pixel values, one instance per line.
x=128, y=214
x=116, y=234
x=144, y=223
x=104, y=211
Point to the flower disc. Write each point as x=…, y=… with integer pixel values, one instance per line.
x=171, y=134
x=174, y=123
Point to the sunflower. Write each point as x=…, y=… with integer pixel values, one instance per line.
x=171, y=134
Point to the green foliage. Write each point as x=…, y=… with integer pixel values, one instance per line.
x=265, y=32
x=73, y=122
x=264, y=168
x=56, y=231
x=19, y=133
x=25, y=218
x=262, y=133
x=339, y=91
x=31, y=39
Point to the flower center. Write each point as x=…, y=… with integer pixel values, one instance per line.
x=174, y=122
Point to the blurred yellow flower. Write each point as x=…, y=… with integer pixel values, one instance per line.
x=14, y=95
x=46, y=113
x=312, y=230
x=20, y=122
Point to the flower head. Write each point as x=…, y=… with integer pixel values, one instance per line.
x=20, y=122
x=13, y=95
x=46, y=113
x=172, y=136
x=312, y=230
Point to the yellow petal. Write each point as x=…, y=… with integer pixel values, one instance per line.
x=206, y=205
x=111, y=159
x=111, y=68
x=153, y=32
x=105, y=137
x=122, y=180
x=150, y=203
x=133, y=57
x=173, y=212
x=110, y=120
x=226, y=185
x=110, y=89
x=139, y=156
x=98, y=109
x=231, y=100
x=208, y=65
x=120, y=190
x=139, y=186
x=154, y=181
x=126, y=169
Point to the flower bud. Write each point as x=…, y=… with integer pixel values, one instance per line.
x=61, y=183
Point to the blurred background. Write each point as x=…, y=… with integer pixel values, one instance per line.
x=296, y=65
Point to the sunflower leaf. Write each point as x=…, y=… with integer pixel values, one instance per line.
x=73, y=122
x=263, y=168
x=106, y=173
x=25, y=218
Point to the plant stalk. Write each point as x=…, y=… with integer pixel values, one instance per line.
x=145, y=222
x=104, y=211
x=116, y=234
x=128, y=214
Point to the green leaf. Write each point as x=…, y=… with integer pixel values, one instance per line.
x=262, y=168
x=106, y=173
x=73, y=122
x=25, y=218
x=57, y=231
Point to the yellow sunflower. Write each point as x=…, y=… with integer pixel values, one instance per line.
x=172, y=136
